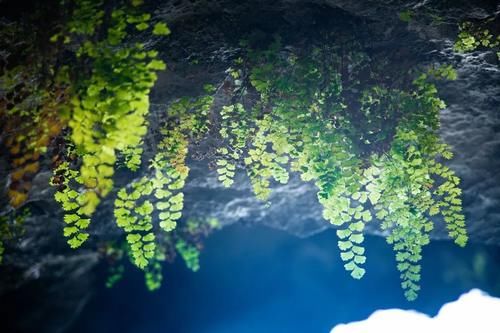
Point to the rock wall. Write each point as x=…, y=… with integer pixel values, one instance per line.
x=42, y=275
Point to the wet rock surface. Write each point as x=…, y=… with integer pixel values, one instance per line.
x=470, y=123
x=43, y=284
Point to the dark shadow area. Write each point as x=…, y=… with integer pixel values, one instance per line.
x=261, y=280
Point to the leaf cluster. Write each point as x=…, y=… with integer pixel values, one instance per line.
x=159, y=197
x=302, y=123
x=472, y=36
x=108, y=109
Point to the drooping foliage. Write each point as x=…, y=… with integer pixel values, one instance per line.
x=185, y=241
x=298, y=132
x=159, y=196
x=327, y=111
x=108, y=110
x=473, y=36
x=379, y=156
x=408, y=184
x=234, y=130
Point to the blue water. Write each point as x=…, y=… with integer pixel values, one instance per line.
x=254, y=279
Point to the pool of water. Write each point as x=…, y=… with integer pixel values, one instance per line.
x=255, y=279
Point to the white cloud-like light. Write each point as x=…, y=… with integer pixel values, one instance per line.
x=473, y=312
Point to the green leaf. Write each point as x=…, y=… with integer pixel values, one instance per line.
x=133, y=238
x=381, y=214
x=346, y=256
x=141, y=262
x=356, y=238
x=68, y=231
x=157, y=65
x=163, y=205
x=374, y=197
x=367, y=216
x=359, y=260
x=343, y=233
x=71, y=218
x=142, y=26
x=168, y=225
x=149, y=237
x=358, y=250
x=176, y=216
x=161, y=29
x=350, y=266
x=344, y=245
x=434, y=210
x=357, y=226
x=358, y=272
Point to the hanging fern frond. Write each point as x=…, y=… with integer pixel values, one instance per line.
x=159, y=197
x=235, y=129
x=108, y=110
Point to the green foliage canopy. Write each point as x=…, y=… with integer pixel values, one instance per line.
x=372, y=150
x=381, y=160
x=108, y=110
x=472, y=36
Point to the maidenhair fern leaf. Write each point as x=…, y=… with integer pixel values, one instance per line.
x=161, y=29
x=136, y=220
x=159, y=197
x=235, y=129
x=107, y=115
x=76, y=205
x=189, y=253
x=262, y=161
